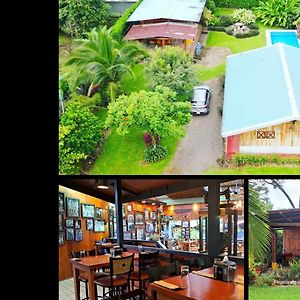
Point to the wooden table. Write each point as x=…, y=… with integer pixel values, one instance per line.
x=105, y=245
x=199, y=287
x=89, y=264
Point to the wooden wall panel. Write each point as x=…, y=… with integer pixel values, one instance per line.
x=89, y=237
x=286, y=134
x=291, y=240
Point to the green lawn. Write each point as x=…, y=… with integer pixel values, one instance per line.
x=249, y=170
x=278, y=293
x=124, y=155
x=223, y=11
x=206, y=73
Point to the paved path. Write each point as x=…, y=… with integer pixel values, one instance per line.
x=202, y=144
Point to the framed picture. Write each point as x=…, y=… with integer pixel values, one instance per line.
x=89, y=224
x=146, y=212
x=139, y=233
x=127, y=236
x=153, y=215
x=98, y=212
x=185, y=224
x=139, y=218
x=133, y=236
x=149, y=227
x=61, y=238
x=99, y=225
x=61, y=203
x=88, y=210
x=130, y=222
x=69, y=234
x=78, y=235
x=60, y=222
x=73, y=208
x=77, y=224
x=69, y=223
x=129, y=207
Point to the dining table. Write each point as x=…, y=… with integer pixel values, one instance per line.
x=89, y=264
x=106, y=246
x=194, y=286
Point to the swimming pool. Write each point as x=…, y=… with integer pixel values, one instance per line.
x=288, y=37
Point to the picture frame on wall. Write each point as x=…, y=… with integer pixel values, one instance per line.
x=139, y=233
x=185, y=224
x=61, y=238
x=87, y=210
x=73, y=208
x=89, y=224
x=99, y=225
x=127, y=236
x=129, y=207
x=149, y=227
x=69, y=234
x=130, y=222
x=60, y=222
x=153, y=215
x=133, y=236
x=139, y=218
x=77, y=224
x=69, y=223
x=61, y=203
x=78, y=235
x=146, y=213
x=98, y=212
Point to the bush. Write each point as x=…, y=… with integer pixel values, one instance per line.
x=253, y=26
x=93, y=103
x=214, y=21
x=295, y=269
x=237, y=3
x=155, y=153
x=211, y=5
x=229, y=31
x=216, y=28
x=265, y=279
x=252, y=32
x=244, y=16
x=206, y=16
x=250, y=159
x=226, y=20
x=118, y=29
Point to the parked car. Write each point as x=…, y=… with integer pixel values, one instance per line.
x=200, y=100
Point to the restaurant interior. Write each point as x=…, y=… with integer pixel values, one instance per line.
x=151, y=238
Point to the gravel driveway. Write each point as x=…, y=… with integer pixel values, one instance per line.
x=203, y=143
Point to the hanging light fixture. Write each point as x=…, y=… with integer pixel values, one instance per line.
x=102, y=184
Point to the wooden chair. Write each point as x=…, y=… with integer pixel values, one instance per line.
x=161, y=272
x=146, y=261
x=118, y=279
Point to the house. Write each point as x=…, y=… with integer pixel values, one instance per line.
x=168, y=22
x=261, y=110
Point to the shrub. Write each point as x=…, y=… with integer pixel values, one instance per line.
x=295, y=269
x=252, y=32
x=150, y=139
x=251, y=159
x=64, y=88
x=226, y=20
x=93, y=103
x=119, y=27
x=265, y=279
x=229, y=31
x=155, y=153
x=237, y=3
x=206, y=16
x=214, y=21
x=216, y=28
x=253, y=26
x=243, y=15
x=278, y=12
x=211, y=5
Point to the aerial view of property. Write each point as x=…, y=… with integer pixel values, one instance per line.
x=179, y=87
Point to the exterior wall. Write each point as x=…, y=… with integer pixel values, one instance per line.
x=232, y=145
x=291, y=240
x=287, y=140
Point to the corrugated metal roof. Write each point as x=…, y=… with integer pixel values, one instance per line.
x=261, y=89
x=284, y=217
x=167, y=29
x=183, y=10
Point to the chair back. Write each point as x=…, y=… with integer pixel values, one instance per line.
x=78, y=254
x=91, y=252
x=121, y=265
x=158, y=272
x=147, y=260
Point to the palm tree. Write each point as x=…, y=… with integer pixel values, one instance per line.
x=259, y=229
x=102, y=60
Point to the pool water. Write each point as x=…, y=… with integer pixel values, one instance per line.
x=289, y=38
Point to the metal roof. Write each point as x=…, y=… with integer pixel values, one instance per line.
x=261, y=89
x=167, y=29
x=183, y=10
x=284, y=218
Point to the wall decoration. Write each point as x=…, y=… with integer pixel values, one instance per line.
x=139, y=218
x=139, y=233
x=69, y=223
x=88, y=210
x=61, y=238
x=153, y=215
x=60, y=222
x=61, y=203
x=78, y=235
x=69, y=234
x=98, y=212
x=127, y=236
x=89, y=224
x=133, y=236
x=185, y=224
x=149, y=227
x=146, y=212
x=77, y=224
x=99, y=225
x=73, y=208
x=129, y=207
x=130, y=222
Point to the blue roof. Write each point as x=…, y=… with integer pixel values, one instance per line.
x=262, y=88
x=183, y=10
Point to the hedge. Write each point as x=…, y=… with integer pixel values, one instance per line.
x=252, y=32
x=251, y=159
x=216, y=28
x=237, y=3
x=117, y=30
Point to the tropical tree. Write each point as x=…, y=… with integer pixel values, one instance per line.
x=278, y=12
x=259, y=229
x=101, y=60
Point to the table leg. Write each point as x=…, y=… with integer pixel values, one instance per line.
x=91, y=285
x=76, y=283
